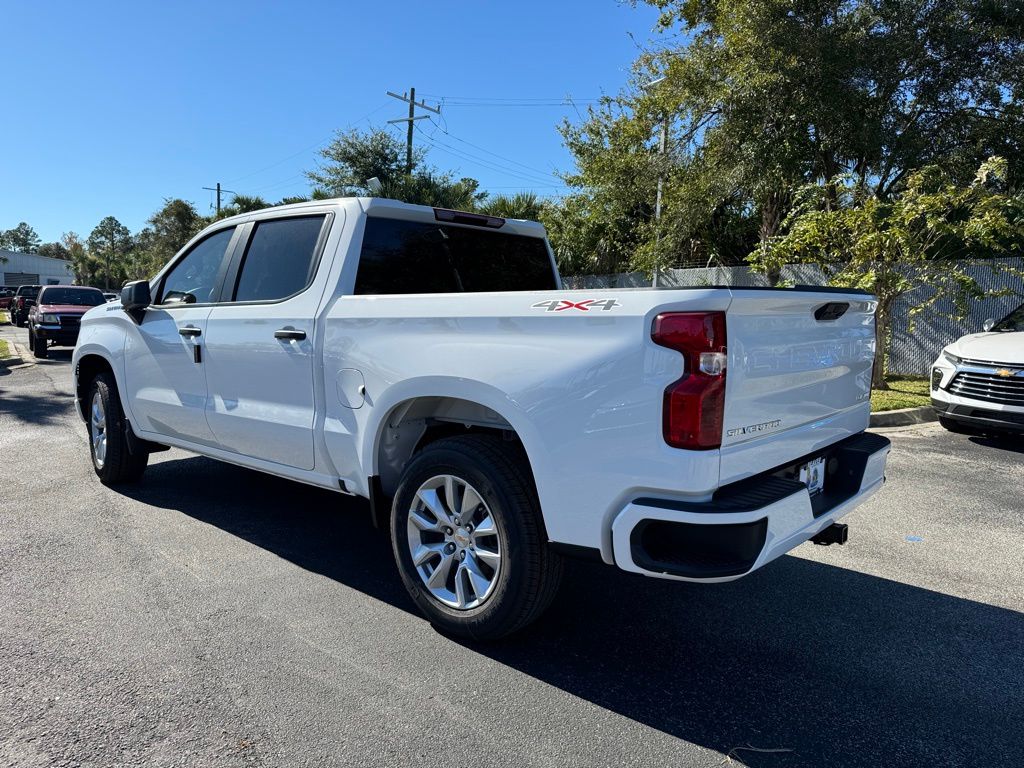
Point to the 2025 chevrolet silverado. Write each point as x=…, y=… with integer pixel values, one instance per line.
x=429, y=360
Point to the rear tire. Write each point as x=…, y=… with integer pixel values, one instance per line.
x=108, y=440
x=509, y=574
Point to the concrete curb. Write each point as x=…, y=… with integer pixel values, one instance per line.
x=903, y=417
x=19, y=357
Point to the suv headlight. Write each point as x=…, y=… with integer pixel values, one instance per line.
x=49, y=319
x=950, y=357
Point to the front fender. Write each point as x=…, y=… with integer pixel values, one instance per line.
x=106, y=342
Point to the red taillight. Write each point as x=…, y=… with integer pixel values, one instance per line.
x=695, y=404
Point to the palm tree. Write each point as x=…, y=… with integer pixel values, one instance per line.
x=522, y=205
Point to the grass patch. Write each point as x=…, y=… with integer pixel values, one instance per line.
x=903, y=392
x=5, y=317
x=5, y=350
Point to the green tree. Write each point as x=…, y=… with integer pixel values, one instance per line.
x=166, y=232
x=86, y=267
x=356, y=156
x=762, y=98
x=112, y=242
x=53, y=251
x=919, y=239
x=244, y=204
x=433, y=188
x=522, y=205
x=22, y=238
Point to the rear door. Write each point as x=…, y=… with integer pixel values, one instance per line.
x=795, y=357
x=260, y=350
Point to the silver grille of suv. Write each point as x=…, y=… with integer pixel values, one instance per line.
x=990, y=386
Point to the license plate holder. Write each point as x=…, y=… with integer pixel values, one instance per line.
x=812, y=474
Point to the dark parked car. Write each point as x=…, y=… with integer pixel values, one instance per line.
x=23, y=300
x=6, y=296
x=57, y=314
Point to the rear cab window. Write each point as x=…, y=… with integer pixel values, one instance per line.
x=400, y=256
x=78, y=297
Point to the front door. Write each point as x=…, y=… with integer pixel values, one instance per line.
x=259, y=345
x=164, y=371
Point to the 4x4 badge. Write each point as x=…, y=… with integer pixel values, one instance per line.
x=560, y=305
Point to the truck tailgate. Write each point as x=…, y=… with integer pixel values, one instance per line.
x=795, y=358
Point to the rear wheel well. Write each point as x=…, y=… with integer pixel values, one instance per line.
x=415, y=424
x=89, y=367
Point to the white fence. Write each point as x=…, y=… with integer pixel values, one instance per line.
x=911, y=352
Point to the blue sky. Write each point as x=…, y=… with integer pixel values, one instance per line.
x=112, y=107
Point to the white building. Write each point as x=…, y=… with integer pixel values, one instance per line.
x=31, y=269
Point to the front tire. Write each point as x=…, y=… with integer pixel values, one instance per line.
x=469, y=539
x=37, y=345
x=108, y=440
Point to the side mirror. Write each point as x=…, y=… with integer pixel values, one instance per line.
x=135, y=298
x=989, y=324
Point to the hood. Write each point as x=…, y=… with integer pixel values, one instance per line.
x=62, y=309
x=993, y=347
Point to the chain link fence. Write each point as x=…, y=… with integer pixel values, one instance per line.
x=911, y=351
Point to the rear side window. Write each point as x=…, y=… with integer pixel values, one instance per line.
x=193, y=280
x=83, y=297
x=417, y=257
x=280, y=259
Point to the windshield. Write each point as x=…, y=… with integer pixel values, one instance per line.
x=29, y=290
x=1012, y=322
x=82, y=297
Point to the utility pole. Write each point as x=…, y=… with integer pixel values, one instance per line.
x=657, y=199
x=663, y=140
x=218, y=190
x=410, y=99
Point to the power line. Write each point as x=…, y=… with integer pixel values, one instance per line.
x=489, y=164
x=509, y=98
x=533, y=175
x=323, y=141
x=448, y=133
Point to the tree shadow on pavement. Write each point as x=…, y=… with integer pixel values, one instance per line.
x=844, y=668
x=31, y=407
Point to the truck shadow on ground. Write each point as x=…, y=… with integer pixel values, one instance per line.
x=843, y=668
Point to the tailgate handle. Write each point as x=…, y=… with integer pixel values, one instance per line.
x=831, y=311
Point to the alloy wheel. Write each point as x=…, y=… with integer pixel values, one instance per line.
x=98, y=431
x=454, y=543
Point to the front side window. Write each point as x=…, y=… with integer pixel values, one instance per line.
x=193, y=280
x=280, y=259
x=1013, y=321
x=418, y=257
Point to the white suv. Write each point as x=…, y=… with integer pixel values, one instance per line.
x=978, y=380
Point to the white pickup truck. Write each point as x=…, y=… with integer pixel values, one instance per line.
x=430, y=361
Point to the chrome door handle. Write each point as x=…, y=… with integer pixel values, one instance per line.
x=190, y=330
x=289, y=334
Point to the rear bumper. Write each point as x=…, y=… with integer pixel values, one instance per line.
x=746, y=524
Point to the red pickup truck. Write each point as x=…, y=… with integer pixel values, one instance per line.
x=55, y=317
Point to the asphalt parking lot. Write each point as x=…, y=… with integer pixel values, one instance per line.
x=215, y=616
